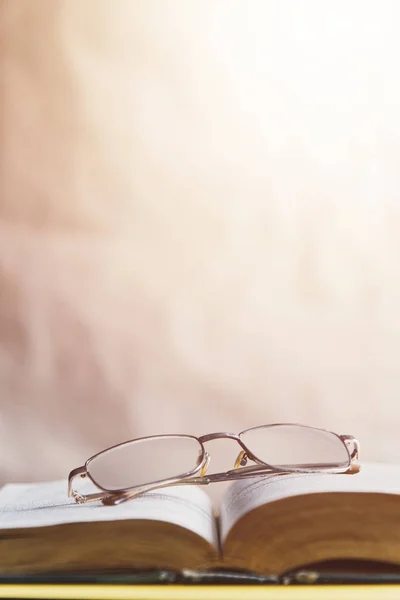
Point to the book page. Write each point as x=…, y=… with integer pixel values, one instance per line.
x=244, y=496
x=46, y=504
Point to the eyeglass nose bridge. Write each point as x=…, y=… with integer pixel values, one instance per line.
x=243, y=455
x=219, y=435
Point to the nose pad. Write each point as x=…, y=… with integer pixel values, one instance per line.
x=241, y=460
x=206, y=464
x=354, y=468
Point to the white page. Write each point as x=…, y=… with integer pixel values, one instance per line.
x=246, y=495
x=44, y=504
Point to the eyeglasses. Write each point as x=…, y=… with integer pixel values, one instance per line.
x=132, y=468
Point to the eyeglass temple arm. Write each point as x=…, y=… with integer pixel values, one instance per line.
x=252, y=471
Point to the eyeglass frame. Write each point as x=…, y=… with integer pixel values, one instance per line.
x=240, y=471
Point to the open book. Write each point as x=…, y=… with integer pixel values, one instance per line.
x=268, y=525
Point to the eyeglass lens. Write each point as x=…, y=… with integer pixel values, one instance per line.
x=145, y=461
x=298, y=446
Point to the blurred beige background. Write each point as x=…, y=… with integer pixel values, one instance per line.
x=199, y=222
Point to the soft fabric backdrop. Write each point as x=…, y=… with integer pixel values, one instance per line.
x=199, y=222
